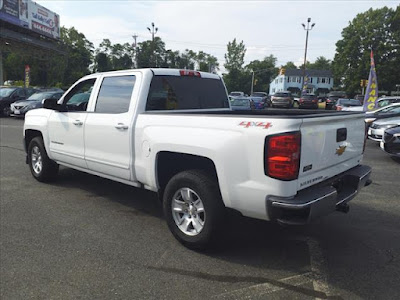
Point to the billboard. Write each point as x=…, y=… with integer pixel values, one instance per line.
x=43, y=21
x=28, y=14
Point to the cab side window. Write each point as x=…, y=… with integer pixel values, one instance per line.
x=115, y=94
x=77, y=99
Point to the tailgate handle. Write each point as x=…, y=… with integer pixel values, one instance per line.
x=341, y=135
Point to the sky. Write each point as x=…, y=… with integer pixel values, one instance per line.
x=265, y=27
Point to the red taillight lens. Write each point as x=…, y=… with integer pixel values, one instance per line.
x=282, y=156
x=189, y=73
x=338, y=108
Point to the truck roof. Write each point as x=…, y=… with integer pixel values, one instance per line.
x=162, y=71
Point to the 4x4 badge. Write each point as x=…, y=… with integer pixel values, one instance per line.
x=340, y=150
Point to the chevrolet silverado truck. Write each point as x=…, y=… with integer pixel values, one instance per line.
x=173, y=132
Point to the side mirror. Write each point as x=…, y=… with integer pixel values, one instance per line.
x=52, y=104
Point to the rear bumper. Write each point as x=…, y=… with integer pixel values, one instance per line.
x=319, y=200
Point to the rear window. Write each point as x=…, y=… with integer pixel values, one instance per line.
x=282, y=95
x=186, y=92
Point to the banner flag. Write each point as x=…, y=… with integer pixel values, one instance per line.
x=371, y=94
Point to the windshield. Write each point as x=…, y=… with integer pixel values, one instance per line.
x=5, y=92
x=235, y=94
x=392, y=109
x=39, y=96
x=186, y=92
x=350, y=102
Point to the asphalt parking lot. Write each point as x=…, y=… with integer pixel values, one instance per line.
x=84, y=237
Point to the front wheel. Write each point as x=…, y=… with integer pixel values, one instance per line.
x=42, y=167
x=6, y=111
x=193, y=208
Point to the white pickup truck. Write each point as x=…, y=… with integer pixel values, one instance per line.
x=172, y=132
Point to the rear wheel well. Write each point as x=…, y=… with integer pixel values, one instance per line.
x=172, y=163
x=29, y=135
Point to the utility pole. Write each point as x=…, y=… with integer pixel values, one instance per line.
x=135, y=64
x=153, y=31
x=307, y=29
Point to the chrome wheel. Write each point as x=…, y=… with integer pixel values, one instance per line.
x=36, y=160
x=188, y=211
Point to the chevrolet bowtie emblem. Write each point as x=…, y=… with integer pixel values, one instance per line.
x=340, y=150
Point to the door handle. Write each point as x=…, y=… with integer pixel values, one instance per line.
x=121, y=126
x=77, y=122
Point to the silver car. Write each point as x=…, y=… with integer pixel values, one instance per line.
x=282, y=99
x=377, y=128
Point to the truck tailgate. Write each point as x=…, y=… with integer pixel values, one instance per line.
x=329, y=146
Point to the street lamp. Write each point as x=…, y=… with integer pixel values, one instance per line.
x=307, y=29
x=153, y=31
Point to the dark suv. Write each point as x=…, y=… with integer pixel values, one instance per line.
x=308, y=100
x=332, y=98
x=11, y=94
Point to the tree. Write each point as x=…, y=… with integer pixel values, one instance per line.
x=151, y=53
x=376, y=29
x=80, y=52
x=234, y=58
x=237, y=78
x=289, y=65
x=321, y=63
x=264, y=71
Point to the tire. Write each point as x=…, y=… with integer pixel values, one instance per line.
x=6, y=111
x=193, y=208
x=42, y=167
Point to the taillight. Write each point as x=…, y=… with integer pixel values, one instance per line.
x=189, y=73
x=282, y=156
x=338, y=108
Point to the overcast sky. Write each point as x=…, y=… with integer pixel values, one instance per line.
x=266, y=27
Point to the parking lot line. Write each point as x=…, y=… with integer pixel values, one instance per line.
x=259, y=290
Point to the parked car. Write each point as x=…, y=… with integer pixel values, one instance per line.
x=21, y=107
x=261, y=99
x=308, y=100
x=389, y=111
x=377, y=128
x=344, y=104
x=385, y=101
x=391, y=141
x=9, y=95
x=237, y=94
x=282, y=99
x=359, y=97
x=241, y=104
x=333, y=97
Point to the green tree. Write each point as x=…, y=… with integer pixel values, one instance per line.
x=376, y=29
x=264, y=71
x=237, y=78
x=321, y=63
x=80, y=52
x=289, y=65
x=234, y=58
x=151, y=54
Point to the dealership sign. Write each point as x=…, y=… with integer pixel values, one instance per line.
x=28, y=14
x=44, y=21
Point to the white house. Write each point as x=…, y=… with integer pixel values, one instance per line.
x=319, y=81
